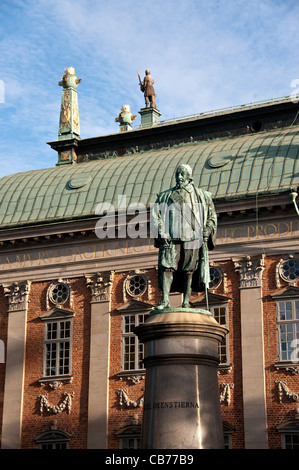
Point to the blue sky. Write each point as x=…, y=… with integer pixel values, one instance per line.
x=203, y=55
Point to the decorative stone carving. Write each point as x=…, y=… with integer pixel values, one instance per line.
x=283, y=389
x=59, y=292
x=135, y=284
x=17, y=294
x=294, y=369
x=225, y=394
x=56, y=383
x=66, y=404
x=100, y=285
x=124, y=399
x=288, y=270
x=250, y=270
x=217, y=276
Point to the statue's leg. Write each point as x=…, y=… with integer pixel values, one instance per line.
x=187, y=289
x=167, y=278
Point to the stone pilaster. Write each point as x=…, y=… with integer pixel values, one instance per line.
x=101, y=288
x=252, y=341
x=17, y=294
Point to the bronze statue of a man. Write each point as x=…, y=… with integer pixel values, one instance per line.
x=185, y=224
x=147, y=86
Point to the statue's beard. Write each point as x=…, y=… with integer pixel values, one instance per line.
x=182, y=184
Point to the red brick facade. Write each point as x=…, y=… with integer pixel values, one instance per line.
x=35, y=422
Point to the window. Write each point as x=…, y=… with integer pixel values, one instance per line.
x=288, y=329
x=291, y=441
x=59, y=292
x=57, y=343
x=55, y=439
x=220, y=314
x=129, y=436
x=228, y=430
x=215, y=277
x=290, y=433
x=130, y=443
x=136, y=283
x=289, y=269
x=132, y=349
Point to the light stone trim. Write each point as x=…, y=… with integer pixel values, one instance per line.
x=100, y=285
x=252, y=343
x=18, y=297
x=17, y=294
x=98, y=394
x=250, y=271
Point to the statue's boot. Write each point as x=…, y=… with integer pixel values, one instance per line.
x=166, y=285
x=187, y=290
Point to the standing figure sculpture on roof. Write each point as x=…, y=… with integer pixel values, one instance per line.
x=147, y=86
x=185, y=224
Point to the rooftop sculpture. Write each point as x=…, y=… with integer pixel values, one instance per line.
x=147, y=87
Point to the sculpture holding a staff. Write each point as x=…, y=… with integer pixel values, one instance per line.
x=185, y=224
x=147, y=86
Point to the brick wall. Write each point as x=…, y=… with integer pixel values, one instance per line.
x=76, y=421
x=35, y=423
x=276, y=412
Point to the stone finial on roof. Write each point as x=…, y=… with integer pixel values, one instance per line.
x=69, y=126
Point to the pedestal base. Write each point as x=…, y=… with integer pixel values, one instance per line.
x=181, y=401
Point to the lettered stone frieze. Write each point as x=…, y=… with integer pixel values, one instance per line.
x=100, y=285
x=250, y=270
x=17, y=294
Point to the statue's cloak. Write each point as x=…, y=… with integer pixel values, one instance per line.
x=201, y=277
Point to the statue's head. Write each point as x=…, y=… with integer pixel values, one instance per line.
x=69, y=71
x=126, y=108
x=183, y=175
x=147, y=72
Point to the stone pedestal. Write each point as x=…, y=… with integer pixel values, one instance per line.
x=149, y=116
x=181, y=401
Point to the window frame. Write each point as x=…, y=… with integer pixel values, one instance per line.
x=226, y=338
x=135, y=344
x=58, y=316
x=289, y=428
x=293, y=322
x=52, y=439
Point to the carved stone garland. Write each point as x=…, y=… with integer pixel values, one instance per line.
x=125, y=400
x=66, y=404
x=225, y=393
x=283, y=389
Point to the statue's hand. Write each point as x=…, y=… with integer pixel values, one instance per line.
x=165, y=238
x=206, y=232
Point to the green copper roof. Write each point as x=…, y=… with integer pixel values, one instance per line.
x=231, y=167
